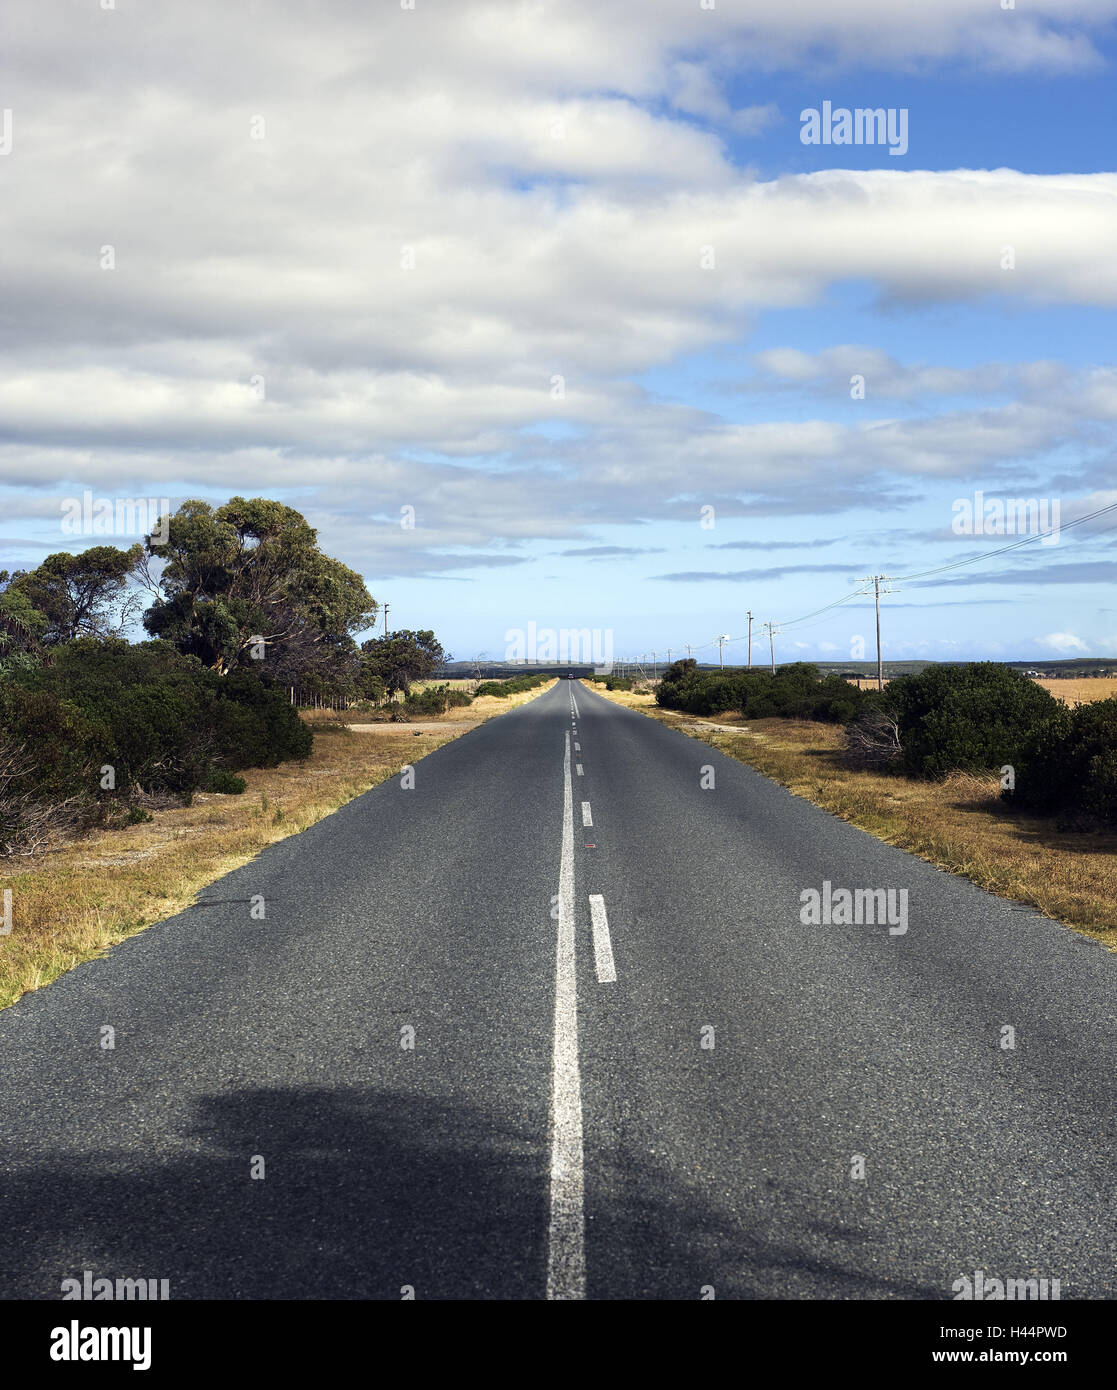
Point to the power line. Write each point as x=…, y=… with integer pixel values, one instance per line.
x=1001, y=549
x=921, y=575
x=857, y=593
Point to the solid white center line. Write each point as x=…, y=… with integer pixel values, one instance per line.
x=602, y=946
x=566, y=1244
x=577, y=748
x=587, y=814
x=578, y=769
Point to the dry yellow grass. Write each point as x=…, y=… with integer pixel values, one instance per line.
x=959, y=824
x=1077, y=690
x=455, y=683
x=72, y=903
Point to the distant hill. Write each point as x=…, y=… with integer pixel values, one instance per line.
x=1072, y=666
x=1077, y=666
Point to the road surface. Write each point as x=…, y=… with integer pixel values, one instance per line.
x=548, y=1023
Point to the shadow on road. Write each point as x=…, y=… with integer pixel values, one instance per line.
x=362, y=1194
x=365, y=1193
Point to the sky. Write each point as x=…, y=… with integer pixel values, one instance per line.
x=545, y=313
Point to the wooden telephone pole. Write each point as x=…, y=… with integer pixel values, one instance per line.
x=771, y=629
x=876, y=580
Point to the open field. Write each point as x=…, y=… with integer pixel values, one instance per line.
x=70, y=904
x=1078, y=690
x=482, y=708
x=959, y=824
x=454, y=682
x=1074, y=690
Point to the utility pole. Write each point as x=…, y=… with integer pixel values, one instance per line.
x=771, y=629
x=688, y=650
x=750, y=639
x=876, y=580
x=721, y=643
x=385, y=620
x=669, y=656
x=655, y=669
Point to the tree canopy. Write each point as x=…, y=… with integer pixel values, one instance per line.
x=247, y=580
x=81, y=595
x=400, y=658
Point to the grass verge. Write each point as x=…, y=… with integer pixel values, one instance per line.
x=72, y=903
x=959, y=824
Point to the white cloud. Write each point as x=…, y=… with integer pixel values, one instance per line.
x=1062, y=642
x=557, y=218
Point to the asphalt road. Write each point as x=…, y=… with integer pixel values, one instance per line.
x=697, y=1123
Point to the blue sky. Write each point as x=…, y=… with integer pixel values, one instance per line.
x=563, y=285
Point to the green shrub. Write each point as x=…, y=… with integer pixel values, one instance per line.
x=968, y=718
x=793, y=692
x=161, y=739
x=256, y=724
x=108, y=720
x=228, y=783
x=436, y=699
x=118, y=815
x=1068, y=765
x=61, y=746
x=50, y=758
x=517, y=685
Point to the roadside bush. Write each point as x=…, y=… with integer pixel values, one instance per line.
x=162, y=744
x=50, y=752
x=517, y=685
x=119, y=814
x=228, y=783
x=148, y=705
x=793, y=692
x=108, y=721
x=872, y=737
x=677, y=679
x=966, y=718
x=63, y=745
x=1068, y=765
x=436, y=699
x=836, y=701
x=256, y=725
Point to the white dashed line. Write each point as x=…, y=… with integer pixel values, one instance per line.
x=577, y=748
x=578, y=769
x=566, y=1244
x=587, y=814
x=602, y=946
